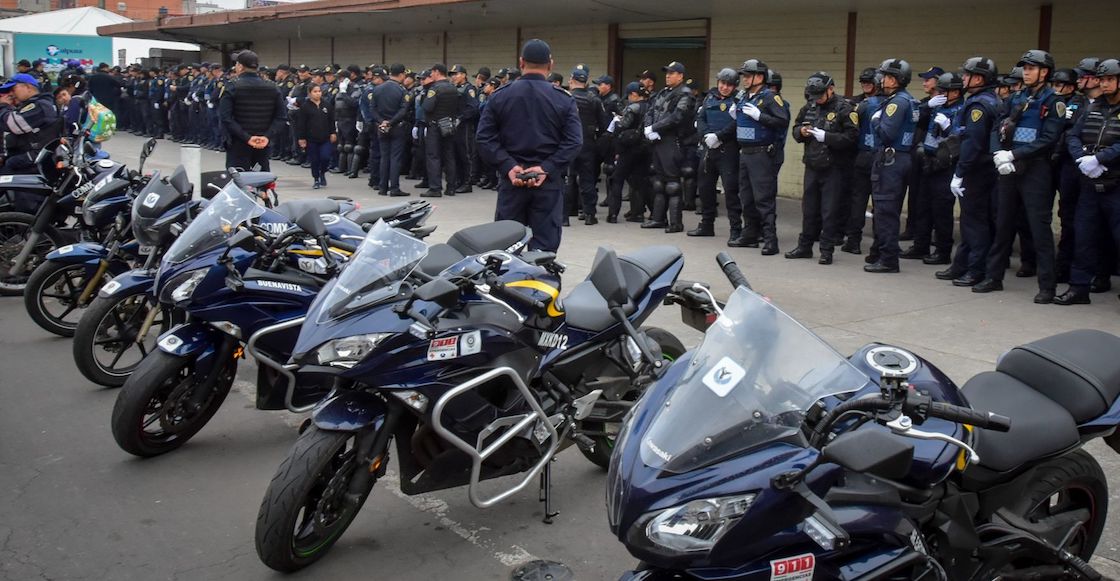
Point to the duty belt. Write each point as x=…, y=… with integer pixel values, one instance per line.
x=756, y=148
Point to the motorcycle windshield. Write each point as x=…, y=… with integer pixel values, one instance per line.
x=384, y=259
x=228, y=209
x=749, y=383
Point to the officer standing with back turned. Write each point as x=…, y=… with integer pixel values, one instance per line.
x=529, y=126
x=251, y=109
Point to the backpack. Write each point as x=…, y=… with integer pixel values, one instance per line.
x=100, y=121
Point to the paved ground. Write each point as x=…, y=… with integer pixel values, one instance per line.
x=73, y=506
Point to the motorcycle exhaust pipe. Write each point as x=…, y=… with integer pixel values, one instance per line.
x=21, y=259
x=94, y=282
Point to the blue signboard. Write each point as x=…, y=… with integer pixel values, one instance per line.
x=56, y=50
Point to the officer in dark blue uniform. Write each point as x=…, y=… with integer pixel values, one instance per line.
x=719, y=160
x=30, y=117
x=531, y=126
x=582, y=186
x=369, y=134
x=894, y=124
x=441, y=110
x=761, y=120
x=251, y=110
x=631, y=158
x=670, y=117
x=1094, y=143
x=860, y=179
x=465, y=135
x=932, y=226
x=974, y=177
x=1025, y=138
x=391, y=103
x=774, y=82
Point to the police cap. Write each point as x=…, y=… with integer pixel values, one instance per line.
x=950, y=82
x=304, y=69
x=1088, y=66
x=693, y=84
x=983, y=66
x=377, y=71
x=514, y=74
x=536, y=51
x=424, y=74
x=555, y=77
x=1066, y=76
x=646, y=74
x=495, y=82
x=457, y=69
x=580, y=73
x=502, y=73
x=483, y=72
x=933, y=73
x=605, y=80
x=1037, y=57
x=634, y=87
x=397, y=69
x=283, y=68
x=674, y=67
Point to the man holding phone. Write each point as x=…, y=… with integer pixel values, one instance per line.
x=531, y=132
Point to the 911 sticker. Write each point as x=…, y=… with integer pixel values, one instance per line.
x=799, y=568
x=453, y=347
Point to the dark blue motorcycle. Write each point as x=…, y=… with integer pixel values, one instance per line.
x=477, y=373
x=765, y=454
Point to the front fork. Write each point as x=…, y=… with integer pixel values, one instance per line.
x=42, y=221
x=372, y=451
x=219, y=359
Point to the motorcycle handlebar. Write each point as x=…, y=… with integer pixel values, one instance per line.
x=976, y=418
x=500, y=291
x=732, y=271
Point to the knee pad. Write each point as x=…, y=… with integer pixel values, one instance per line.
x=358, y=149
x=348, y=148
x=673, y=188
x=608, y=168
x=656, y=185
x=687, y=171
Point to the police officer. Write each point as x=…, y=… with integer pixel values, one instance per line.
x=488, y=177
x=281, y=149
x=917, y=209
x=531, y=127
x=631, y=158
x=774, y=82
x=828, y=128
x=936, y=158
x=648, y=80
x=465, y=134
x=1094, y=143
x=867, y=86
x=295, y=100
x=369, y=135
x=180, y=104
x=419, y=129
x=720, y=158
x=346, y=118
x=1066, y=180
x=761, y=119
x=582, y=186
x=481, y=82
x=197, y=113
x=612, y=101
x=143, y=104
x=860, y=176
x=217, y=87
x=391, y=103
x=30, y=117
x=1026, y=136
x=156, y=92
x=671, y=115
x=441, y=107
x=894, y=124
x=251, y=109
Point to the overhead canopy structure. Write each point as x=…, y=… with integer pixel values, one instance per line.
x=85, y=22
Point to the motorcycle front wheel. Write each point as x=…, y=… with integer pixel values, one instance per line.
x=15, y=231
x=671, y=350
x=53, y=294
x=106, y=350
x=306, y=509
x=164, y=403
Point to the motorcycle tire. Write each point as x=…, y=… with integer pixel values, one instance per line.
x=1071, y=482
x=106, y=319
x=143, y=397
x=62, y=283
x=15, y=228
x=314, y=478
x=671, y=350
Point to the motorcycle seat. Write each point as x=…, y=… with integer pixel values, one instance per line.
x=371, y=215
x=643, y=265
x=1039, y=426
x=253, y=179
x=484, y=237
x=32, y=184
x=440, y=256
x=292, y=210
x=585, y=307
x=1079, y=370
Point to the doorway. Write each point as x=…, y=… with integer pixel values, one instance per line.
x=652, y=45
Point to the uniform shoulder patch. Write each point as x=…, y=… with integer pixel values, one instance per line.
x=831, y=115
x=723, y=106
x=976, y=114
x=470, y=92
x=160, y=82
x=407, y=98
x=854, y=117
x=27, y=107
x=1060, y=109
x=891, y=109
x=431, y=93
x=778, y=100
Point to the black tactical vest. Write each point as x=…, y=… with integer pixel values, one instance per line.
x=589, y=108
x=254, y=104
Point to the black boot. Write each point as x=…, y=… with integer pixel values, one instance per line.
x=1100, y=284
x=851, y=246
x=1075, y=295
x=800, y=252
x=826, y=257
x=703, y=229
x=676, y=215
x=770, y=247
x=948, y=274
x=657, y=217
x=988, y=285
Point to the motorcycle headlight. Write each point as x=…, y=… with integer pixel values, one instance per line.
x=348, y=351
x=186, y=288
x=698, y=525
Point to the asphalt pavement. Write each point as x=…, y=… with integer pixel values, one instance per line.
x=74, y=506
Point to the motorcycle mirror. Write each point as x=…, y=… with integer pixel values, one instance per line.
x=606, y=275
x=440, y=291
x=871, y=451
x=243, y=239
x=539, y=257
x=180, y=181
x=310, y=222
x=149, y=147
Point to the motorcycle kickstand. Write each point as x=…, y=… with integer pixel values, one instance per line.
x=546, y=493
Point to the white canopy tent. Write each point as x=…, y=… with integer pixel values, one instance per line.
x=83, y=22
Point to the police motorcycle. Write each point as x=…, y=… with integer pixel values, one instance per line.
x=477, y=373
x=237, y=269
x=765, y=454
x=67, y=174
x=64, y=284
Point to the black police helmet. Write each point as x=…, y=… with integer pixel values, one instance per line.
x=1088, y=66
x=1108, y=67
x=897, y=68
x=774, y=78
x=1067, y=76
x=753, y=67
x=817, y=85
x=950, y=82
x=983, y=66
x=728, y=76
x=867, y=75
x=1016, y=74
x=1038, y=58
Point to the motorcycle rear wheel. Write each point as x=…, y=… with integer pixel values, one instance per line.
x=671, y=350
x=15, y=229
x=305, y=510
x=154, y=395
x=1071, y=482
x=106, y=335
x=52, y=295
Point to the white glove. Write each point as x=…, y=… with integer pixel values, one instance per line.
x=957, y=186
x=343, y=85
x=209, y=105
x=156, y=105
x=614, y=124
x=817, y=134
x=711, y=141
x=1003, y=157
x=1098, y=172
x=733, y=112
x=942, y=121
x=1089, y=164
x=752, y=111
x=187, y=102
x=195, y=97
x=1006, y=169
x=936, y=101
x=654, y=136
x=415, y=133
x=359, y=126
x=1069, y=112
x=877, y=114
x=647, y=131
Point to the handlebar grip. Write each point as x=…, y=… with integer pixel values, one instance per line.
x=976, y=418
x=498, y=289
x=731, y=270
x=343, y=245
